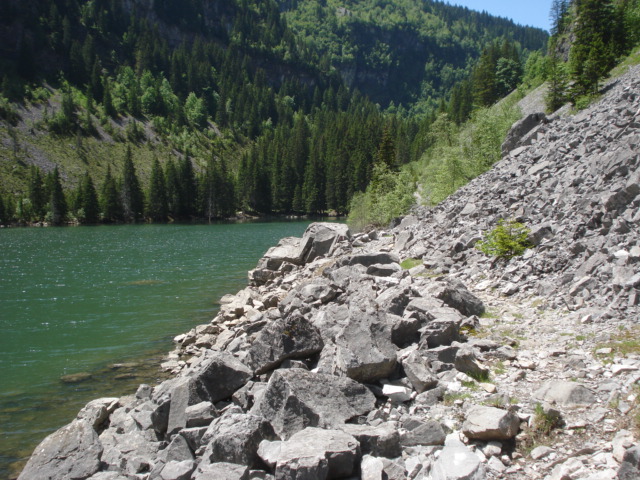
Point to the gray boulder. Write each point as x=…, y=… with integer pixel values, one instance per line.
x=368, y=259
x=291, y=337
x=73, y=452
x=312, y=453
x=520, y=129
x=380, y=441
x=457, y=462
x=235, y=438
x=466, y=362
x=630, y=466
x=454, y=294
x=319, y=239
x=228, y=471
x=422, y=432
x=178, y=470
x=489, y=423
x=97, y=411
x=566, y=394
x=363, y=348
x=419, y=372
x=296, y=398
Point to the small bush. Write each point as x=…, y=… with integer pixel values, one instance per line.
x=409, y=263
x=509, y=239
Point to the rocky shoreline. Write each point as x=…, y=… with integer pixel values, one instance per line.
x=337, y=362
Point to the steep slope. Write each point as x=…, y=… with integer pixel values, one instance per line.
x=576, y=185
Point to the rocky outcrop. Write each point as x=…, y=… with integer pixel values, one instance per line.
x=335, y=362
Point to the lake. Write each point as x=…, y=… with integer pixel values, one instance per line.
x=105, y=302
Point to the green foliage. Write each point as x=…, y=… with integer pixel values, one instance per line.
x=458, y=154
x=508, y=239
x=409, y=263
x=390, y=195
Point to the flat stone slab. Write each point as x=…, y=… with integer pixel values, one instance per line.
x=566, y=394
x=489, y=423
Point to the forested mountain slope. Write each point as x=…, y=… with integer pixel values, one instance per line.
x=404, y=51
x=240, y=110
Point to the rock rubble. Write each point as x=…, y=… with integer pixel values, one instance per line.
x=335, y=362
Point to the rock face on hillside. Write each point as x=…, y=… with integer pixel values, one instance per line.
x=337, y=363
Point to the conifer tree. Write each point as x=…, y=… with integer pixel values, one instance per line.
x=157, y=197
x=592, y=53
x=3, y=212
x=130, y=193
x=188, y=188
x=37, y=194
x=89, y=200
x=110, y=199
x=57, y=202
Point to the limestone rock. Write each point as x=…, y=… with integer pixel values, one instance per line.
x=566, y=394
x=235, y=438
x=72, y=452
x=458, y=463
x=292, y=337
x=295, y=399
x=489, y=423
x=313, y=453
x=380, y=441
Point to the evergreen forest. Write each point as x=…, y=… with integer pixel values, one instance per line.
x=189, y=110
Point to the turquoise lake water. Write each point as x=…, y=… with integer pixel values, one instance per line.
x=84, y=299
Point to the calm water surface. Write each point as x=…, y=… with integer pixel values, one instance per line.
x=79, y=300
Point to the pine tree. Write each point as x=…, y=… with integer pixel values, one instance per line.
x=157, y=197
x=130, y=193
x=89, y=200
x=557, y=93
x=387, y=149
x=592, y=53
x=57, y=202
x=37, y=194
x=188, y=188
x=110, y=199
x=3, y=212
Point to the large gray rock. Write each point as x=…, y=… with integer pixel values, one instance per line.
x=178, y=470
x=419, y=372
x=368, y=259
x=467, y=362
x=319, y=239
x=312, y=453
x=489, y=423
x=221, y=374
x=235, y=438
x=222, y=470
x=295, y=399
x=73, y=453
x=185, y=393
x=380, y=441
x=131, y=452
x=454, y=294
x=291, y=337
x=362, y=349
x=457, y=462
x=565, y=394
x=97, y=411
x=630, y=466
x=520, y=129
x=418, y=431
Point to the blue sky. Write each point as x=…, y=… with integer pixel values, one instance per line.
x=524, y=12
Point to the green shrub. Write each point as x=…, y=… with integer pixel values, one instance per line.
x=509, y=239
